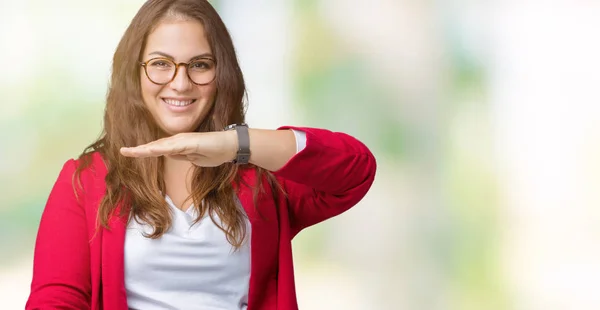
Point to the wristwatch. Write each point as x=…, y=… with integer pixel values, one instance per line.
x=243, y=153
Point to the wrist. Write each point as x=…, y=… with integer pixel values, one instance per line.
x=233, y=143
x=241, y=143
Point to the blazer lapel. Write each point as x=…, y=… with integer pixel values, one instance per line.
x=113, y=265
x=264, y=242
x=114, y=295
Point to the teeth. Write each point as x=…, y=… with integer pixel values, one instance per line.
x=178, y=103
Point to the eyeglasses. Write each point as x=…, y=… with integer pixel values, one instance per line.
x=162, y=71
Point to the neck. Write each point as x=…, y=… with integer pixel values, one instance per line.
x=178, y=176
x=177, y=165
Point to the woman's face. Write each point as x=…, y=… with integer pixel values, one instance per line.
x=180, y=105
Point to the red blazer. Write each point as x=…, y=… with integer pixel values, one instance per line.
x=77, y=268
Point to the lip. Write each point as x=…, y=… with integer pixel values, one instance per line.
x=175, y=108
x=179, y=98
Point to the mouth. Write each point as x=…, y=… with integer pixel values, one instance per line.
x=178, y=102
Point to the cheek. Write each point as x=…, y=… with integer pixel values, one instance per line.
x=208, y=92
x=149, y=90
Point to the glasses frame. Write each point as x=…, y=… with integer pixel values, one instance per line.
x=185, y=64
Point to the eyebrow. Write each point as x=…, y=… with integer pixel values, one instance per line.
x=205, y=55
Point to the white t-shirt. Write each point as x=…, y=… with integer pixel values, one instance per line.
x=189, y=267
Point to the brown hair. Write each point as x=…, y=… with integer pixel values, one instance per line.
x=139, y=182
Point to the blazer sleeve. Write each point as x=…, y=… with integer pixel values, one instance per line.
x=329, y=176
x=61, y=264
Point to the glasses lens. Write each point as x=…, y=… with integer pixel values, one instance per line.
x=160, y=71
x=202, y=71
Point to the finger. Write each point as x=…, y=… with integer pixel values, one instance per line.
x=149, y=151
x=137, y=151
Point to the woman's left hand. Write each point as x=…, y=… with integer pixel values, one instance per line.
x=205, y=149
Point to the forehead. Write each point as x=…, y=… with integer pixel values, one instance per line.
x=183, y=39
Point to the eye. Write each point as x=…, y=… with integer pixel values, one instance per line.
x=159, y=63
x=201, y=65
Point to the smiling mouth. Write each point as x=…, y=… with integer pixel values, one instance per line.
x=178, y=103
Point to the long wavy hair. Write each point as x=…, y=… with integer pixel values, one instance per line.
x=137, y=183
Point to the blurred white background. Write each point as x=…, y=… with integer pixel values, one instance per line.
x=484, y=117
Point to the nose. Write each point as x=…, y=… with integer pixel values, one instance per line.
x=181, y=82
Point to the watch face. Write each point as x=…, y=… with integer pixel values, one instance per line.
x=232, y=126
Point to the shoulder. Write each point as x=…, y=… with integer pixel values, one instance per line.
x=84, y=169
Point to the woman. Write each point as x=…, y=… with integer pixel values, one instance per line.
x=169, y=211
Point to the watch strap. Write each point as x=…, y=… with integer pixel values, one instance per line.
x=243, y=153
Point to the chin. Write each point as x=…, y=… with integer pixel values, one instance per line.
x=173, y=130
x=172, y=123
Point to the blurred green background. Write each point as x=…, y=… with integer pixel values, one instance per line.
x=484, y=117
